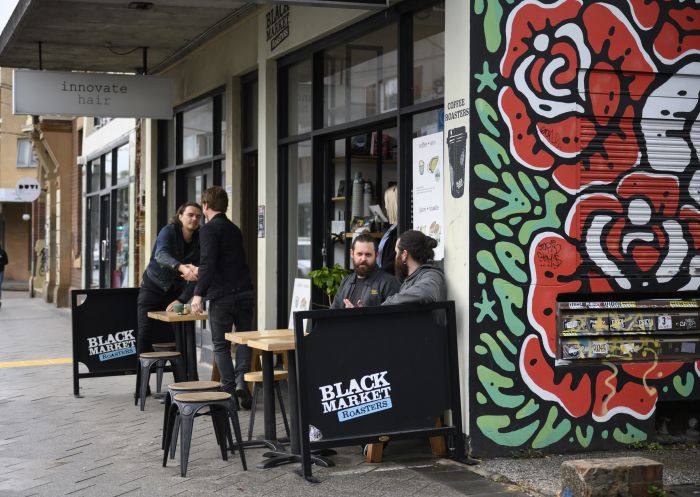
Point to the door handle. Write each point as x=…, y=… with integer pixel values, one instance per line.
x=104, y=256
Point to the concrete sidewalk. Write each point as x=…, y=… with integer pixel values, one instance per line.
x=52, y=444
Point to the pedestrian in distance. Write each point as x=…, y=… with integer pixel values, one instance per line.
x=3, y=262
x=368, y=285
x=224, y=280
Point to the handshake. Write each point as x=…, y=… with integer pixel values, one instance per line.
x=189, y=272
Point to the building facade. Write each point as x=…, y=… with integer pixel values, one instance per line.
x=570, y=206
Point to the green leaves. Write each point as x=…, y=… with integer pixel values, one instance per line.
x=328, y=279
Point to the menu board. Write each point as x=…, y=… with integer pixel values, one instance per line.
x=629, y=330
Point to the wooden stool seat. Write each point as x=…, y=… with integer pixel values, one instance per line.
x=257, y=376
x=202, y=397
x=158, y=355
x=194, y=385
x=165, y=345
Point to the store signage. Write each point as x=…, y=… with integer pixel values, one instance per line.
x=277, y=25
x=357, y=381
x=49, y=93
x=105, y=324
x=261, y=221
x=428, y=196
x=28, y=189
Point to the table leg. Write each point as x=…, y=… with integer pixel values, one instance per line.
x=277, y=458
x=190, y=352
x=269, y=396
x=270, y=438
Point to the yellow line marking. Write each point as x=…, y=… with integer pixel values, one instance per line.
x=38, y=362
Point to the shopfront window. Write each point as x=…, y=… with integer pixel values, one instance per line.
x=191, y=153
x=429, y=54
x=299, y=88
x=198, y=132
x=360, y=78
x=107, y=171
x=123, y=164
x=120, y=273
x=107, y=205
x=94, y=175
x=299, y=208
x=356, y=140
x=427, y=123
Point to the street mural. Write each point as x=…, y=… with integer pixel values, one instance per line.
x=585, y=135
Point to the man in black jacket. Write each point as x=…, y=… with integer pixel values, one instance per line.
x=368, y=285
x=224, y=279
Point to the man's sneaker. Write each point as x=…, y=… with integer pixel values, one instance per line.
x=244, y=396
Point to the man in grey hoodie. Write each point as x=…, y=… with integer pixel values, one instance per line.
x=423, y=283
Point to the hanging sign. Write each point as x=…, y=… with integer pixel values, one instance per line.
x=28, y=189
x=428, y=177
x=49, y=93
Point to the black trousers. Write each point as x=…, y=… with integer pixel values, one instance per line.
x=148, y=301
x=224, y=312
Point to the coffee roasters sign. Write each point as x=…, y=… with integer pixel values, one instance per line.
x=49, y=93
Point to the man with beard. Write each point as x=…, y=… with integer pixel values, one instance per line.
x=368, y=285
x=422, y=282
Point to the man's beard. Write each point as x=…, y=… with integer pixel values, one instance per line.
x=363, y=270
x=400, y=269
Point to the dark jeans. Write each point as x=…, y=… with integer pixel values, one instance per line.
x=224, y=312
x=2, y=277
x=148, y=301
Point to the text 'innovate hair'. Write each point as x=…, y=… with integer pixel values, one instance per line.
x=216, y=198
x=364, y=238
x=181, y=210
x=418, y=245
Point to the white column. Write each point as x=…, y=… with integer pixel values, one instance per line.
x=267, y=193
x=457, y=71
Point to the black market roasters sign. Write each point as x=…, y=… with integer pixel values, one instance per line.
x=51, y=93
x=277, y=25
x=112, y=345
x=357, y=397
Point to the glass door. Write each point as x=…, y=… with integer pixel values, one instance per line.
x=361, y=167
x=105, y=263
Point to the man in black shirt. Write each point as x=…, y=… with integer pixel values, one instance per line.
x=224, y=279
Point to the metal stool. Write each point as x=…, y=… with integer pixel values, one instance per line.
x=162, y=347
x=185, y=406
x=143, y=372
x=257, y=377
x=184, y=387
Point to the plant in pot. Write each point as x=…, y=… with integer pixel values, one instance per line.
x=328, y=279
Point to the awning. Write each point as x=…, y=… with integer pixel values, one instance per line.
x=108, y=35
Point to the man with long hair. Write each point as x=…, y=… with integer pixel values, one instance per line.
x=170, y=272
x=422, y=282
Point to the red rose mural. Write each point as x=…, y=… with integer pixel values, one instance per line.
x=598, y=104
x=576, y=74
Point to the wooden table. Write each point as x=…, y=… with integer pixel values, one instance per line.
x=242, y=337
x=184, y=338
x=269, y=345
